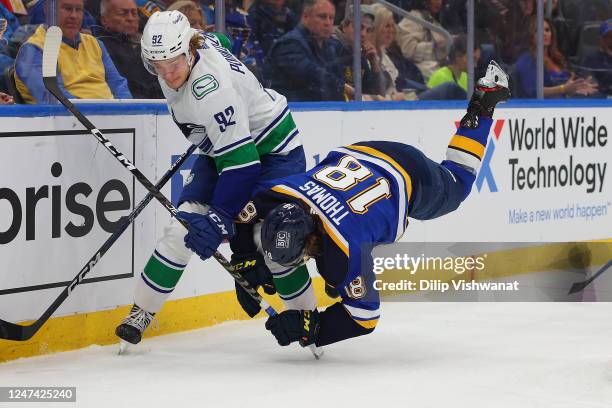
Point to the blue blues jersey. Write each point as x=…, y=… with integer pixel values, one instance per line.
x=361, y=196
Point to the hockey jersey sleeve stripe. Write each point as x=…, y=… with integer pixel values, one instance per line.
x=271, y=125
x=277, y=136
x=232, y=145
x=286, y=142
x=239, y=166
x=368, y=322
x=467, y=145
x=335, y=235
x=242, y=155
x=463, y=158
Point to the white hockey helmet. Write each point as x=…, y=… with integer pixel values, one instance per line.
x=165, y=36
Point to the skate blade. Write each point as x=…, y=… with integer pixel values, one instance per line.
x=123, y=347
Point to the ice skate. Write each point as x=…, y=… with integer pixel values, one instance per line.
x=132, y=327
x=488, y=92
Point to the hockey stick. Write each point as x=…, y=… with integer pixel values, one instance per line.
x=579, y=286
x=53, y=40
x=12, y=331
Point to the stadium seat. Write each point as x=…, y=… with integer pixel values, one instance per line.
x=588, y=39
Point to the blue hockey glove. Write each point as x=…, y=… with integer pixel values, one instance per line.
x=295, y=325
x=207, y=231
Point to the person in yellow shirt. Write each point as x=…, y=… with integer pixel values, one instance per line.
x=455, y=70
x=85, y=68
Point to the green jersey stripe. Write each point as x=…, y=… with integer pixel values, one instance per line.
x=237, y=157
x=277, y=135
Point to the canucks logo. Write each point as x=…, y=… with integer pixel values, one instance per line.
x=204, y=85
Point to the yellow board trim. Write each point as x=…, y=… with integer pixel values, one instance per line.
x=85, y=329
x=467, y=144
x=388, y=159
x=329, y=231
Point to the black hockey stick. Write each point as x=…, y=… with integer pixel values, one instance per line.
x=12, y=331
x=53, y=40
x=579, y=286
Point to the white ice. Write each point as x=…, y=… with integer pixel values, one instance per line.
x=489, y=355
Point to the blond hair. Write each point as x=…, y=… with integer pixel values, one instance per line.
x=381, y=15
x=185, y=6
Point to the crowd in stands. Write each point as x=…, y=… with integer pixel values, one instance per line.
x=304, y=48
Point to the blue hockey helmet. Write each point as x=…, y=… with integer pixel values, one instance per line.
x=284, y=232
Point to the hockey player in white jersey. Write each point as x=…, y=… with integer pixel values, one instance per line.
x=245, y=133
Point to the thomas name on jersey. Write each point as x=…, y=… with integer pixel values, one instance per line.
x=325, y=201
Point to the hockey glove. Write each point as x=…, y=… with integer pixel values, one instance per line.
x=295, y=325
x=207, y=231
x=253, y=268
x=331, y=291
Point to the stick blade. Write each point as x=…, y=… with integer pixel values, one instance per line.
x=53, y=40
x=16, y=332
x=578, y=287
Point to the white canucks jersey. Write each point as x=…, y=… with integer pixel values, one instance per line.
x=227, y=113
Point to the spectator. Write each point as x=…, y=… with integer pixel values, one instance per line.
x=420, y=45
x=599, y=63
x=373, y=80
x=235, y=16
x=456, y=69
x=122, y=40
x=303, y=64
x=37, y=14
x=453, y=16
x=11, y=23
x=85, y=68
x=193, y=12
x=513, y=38
x=151, y=6
x=404, y=78
x=558, y=81
x=270, y=20
x=6, y=99
x=5, y=60
x=401, y=73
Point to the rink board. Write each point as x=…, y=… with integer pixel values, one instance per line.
x=50, y=228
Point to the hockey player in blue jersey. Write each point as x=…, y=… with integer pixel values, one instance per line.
x=359, y=196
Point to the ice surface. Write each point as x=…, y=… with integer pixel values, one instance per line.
x=441, y=355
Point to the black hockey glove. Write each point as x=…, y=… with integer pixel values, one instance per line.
x=295, y=325
x=253, y=268
x=331, y=291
